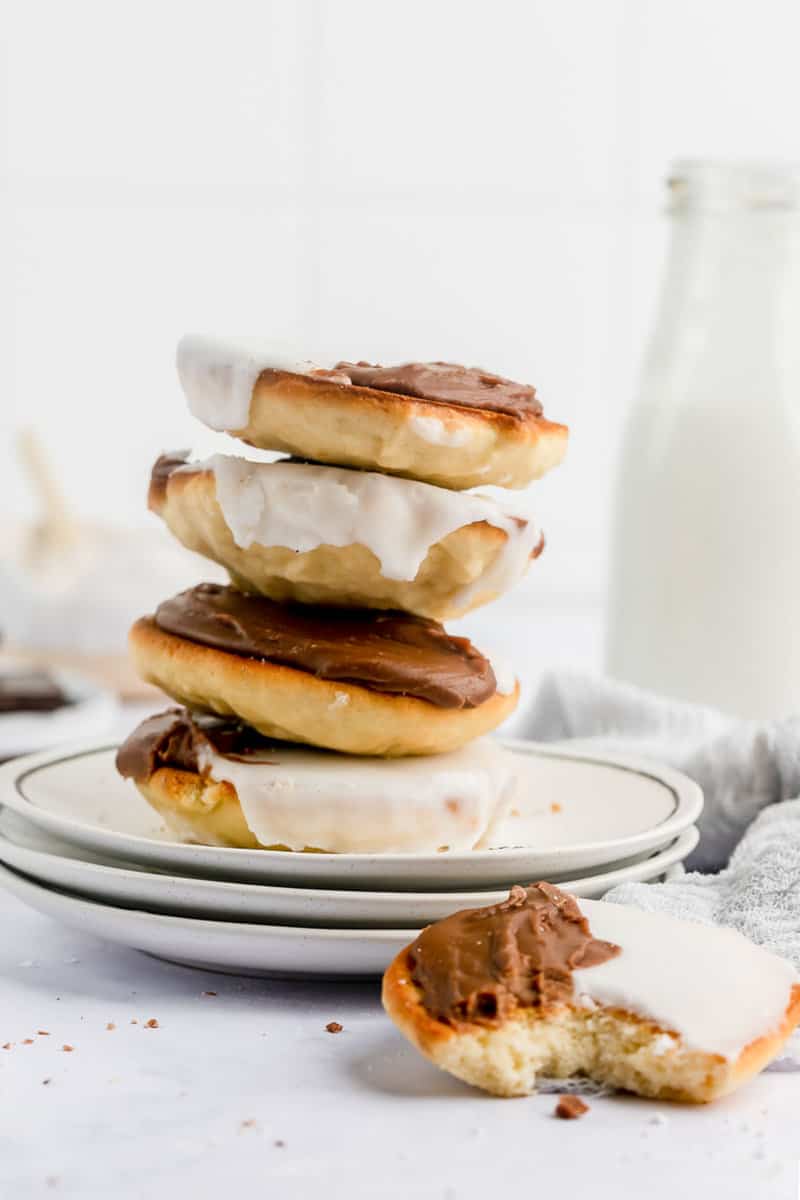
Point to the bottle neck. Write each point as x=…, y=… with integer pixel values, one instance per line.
x=734, y=187
x=736, y=249
x=731, y=288
x=735, y=236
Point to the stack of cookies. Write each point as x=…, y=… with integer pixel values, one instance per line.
x=323, y=704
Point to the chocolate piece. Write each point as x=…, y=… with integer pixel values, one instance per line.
x=479, y=965
x=163, y=467
x=392, y=652
x=448, y=383
x=177, y=738
x=570, y=1107
x=30, y=690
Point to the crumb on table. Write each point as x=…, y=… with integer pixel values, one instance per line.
x=569, y=1108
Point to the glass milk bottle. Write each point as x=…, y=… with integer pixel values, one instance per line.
x=704, y=600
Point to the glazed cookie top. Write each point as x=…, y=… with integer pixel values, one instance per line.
x=218, y=375
x=706, y=984
x=447, y=383
x=301, y=506
x=392, y=652
x=478, y=965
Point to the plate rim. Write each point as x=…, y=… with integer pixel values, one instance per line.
x=688, y=837
x=202, y=924
x=309, y=954
x=249, y=929
x=687, y=796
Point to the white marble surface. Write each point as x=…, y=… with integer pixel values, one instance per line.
x=245, y=1092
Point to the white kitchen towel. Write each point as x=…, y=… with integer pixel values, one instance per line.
x=750, y=826
x=742, y=766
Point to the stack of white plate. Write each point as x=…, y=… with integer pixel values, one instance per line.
x=79, y=843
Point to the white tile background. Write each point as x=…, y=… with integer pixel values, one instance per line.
x=446, y=178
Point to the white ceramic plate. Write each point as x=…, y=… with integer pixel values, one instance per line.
x=49, y=861
x=91, y=715
x=238, y=949
x=579, y=813
x=220, y=945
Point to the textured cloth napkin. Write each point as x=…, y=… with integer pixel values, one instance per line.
x=750, y=825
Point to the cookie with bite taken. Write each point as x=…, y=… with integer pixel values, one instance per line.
x=542, y=986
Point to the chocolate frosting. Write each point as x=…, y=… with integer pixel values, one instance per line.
x=163, y=467
x=30, y=690
x=478, y=965
x=448, y=383
x=391, y=652
x=178, y=738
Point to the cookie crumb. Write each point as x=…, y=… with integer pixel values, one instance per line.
x=134, y=1021
x=249, y=1123
x=43, y=1032
x=66, y=1047
x=555, y=807
x=208, y=993
x=111, y=1025
x=569, y=1108
x=46, y=1081
x=334, y=1027
x=27, y=1041
x=7, y=1045
x=151, y=1024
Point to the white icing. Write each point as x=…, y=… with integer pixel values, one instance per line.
x=339, y=803
x=504, y=674
x=505, y=679
x=712, y=986
x=302, y=506
x=432, y=430
x=218, y=374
